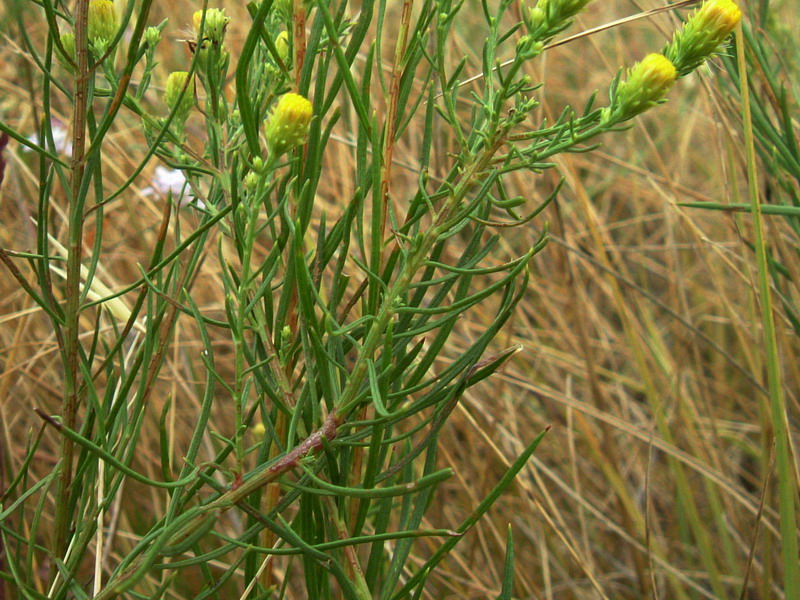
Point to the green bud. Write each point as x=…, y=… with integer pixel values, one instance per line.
x=284, y=9
x=550, y=17
x=536, y=18
x=68, y=42
x=152, y=36
x=251, y=181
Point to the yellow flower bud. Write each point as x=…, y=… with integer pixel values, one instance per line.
x=172, y=95
x=287, y=125
x=647, y=83
x=282, y=44
x=702, y=35
x=102, y=21
x=215, y=24
x=259, y=431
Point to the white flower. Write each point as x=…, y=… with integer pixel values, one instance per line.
x=61, y=138
x=172, y=180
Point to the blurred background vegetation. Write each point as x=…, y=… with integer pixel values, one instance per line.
x=643, y=344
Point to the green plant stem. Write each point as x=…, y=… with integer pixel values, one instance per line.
x=73, y=292
x=251, y=228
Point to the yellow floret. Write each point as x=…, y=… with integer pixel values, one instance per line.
x=102, y=20
x=287, y=126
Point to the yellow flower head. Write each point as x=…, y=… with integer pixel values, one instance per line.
x=102, y=21
x=718, y=17
x=287, y=125
x=702, y=35
x=654, y=75
x=215, y=24
x=648, y=82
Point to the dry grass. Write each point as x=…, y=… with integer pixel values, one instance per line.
x=641, y=334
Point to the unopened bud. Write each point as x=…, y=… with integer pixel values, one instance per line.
x=68, y=43
x=176, y=82
x=152, y=36
x=549, y=17
x=251, y=181
x=282, y=45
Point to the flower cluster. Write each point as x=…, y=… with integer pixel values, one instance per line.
x=101, y=30
x=649, y=81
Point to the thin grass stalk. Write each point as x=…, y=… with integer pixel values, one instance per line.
x=787, y=485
